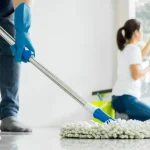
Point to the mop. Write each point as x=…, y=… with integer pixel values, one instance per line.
x=110, y=127
x=120, y=129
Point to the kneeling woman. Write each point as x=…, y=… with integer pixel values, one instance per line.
x=126, y=91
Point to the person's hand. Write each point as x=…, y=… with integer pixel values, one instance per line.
x=19, y=51
x=23, y=48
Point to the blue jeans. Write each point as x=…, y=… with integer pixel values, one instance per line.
x=131, y=106
x=9, y=73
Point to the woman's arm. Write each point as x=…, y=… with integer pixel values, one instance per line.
x=146, y=49
x=137, y=72
x=17, y=2
x=22, y=24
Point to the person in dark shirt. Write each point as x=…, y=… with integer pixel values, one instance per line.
x=15, y=18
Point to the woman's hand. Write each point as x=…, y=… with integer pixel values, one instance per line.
x=146, y=49
x=137, y=72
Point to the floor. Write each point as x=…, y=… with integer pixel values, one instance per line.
x=49, y=139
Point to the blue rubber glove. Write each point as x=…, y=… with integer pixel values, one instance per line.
x=22, y=26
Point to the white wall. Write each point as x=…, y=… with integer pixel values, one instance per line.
x=75, y=40
x=125, y=9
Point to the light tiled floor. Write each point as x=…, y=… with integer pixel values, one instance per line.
x=49, y=139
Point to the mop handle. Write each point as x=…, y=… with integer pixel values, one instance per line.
x=50, y=75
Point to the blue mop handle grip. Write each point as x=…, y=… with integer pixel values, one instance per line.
x=100, y=115
x=97, y=112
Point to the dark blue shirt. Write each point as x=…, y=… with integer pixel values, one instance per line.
x=6, y=8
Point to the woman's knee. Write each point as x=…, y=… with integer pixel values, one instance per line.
x=117, y=104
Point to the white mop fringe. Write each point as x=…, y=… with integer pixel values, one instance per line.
x=122, y=129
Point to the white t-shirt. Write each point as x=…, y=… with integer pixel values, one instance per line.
x=125, y=83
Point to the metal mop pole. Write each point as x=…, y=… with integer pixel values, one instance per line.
x=60, y=83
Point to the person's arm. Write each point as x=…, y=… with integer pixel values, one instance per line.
x=22, y=24
x=146, y=49
x=137, y=72
x=17, y=2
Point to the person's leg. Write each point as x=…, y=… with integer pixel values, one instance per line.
x=117, y=104
x=136, y=109
x=9, y=83
x=9, y=75
x=9, y=86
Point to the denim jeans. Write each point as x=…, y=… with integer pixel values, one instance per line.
x=131, y=106
x=9, y=73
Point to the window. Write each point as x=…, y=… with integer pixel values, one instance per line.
x=143, y=14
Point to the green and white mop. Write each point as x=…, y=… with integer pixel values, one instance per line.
x=113, y=129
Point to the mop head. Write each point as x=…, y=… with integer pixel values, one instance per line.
x=120, y=129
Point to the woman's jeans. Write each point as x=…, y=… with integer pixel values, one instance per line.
x=131, y=106
x=9, y=73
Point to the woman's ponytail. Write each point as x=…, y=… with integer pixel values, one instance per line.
x=121, y=41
